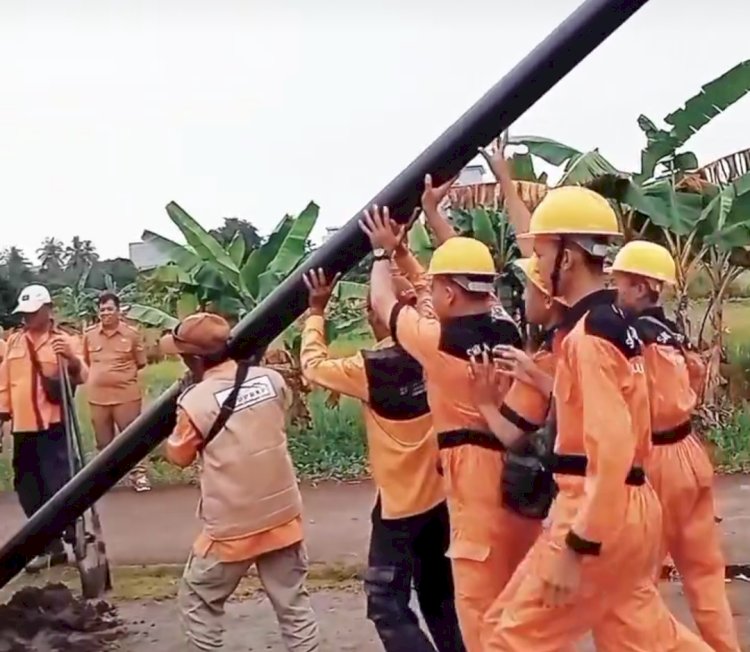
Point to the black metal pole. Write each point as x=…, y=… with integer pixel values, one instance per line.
x=585, y=29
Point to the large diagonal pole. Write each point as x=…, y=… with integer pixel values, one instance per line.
x=505, y=102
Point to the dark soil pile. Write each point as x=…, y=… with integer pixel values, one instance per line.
x=52, y=619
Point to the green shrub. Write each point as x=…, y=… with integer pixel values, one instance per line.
x=733, y=442
x=334, y=446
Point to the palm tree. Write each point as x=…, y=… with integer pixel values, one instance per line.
x=80, y=254
x=51, y=254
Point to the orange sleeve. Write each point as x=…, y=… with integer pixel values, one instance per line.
x=139, y=351
x=525, y=405
x=609, y=442
x=4, y=388
x=184, y=442
x=419, y=336
x=2, y=350
x=342, y=375
x=416, y=275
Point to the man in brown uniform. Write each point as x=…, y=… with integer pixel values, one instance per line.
x=30, y=400
x=114, y=352
x=233, y=417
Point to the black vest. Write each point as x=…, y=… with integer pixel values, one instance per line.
x=654, y=328
x=396, y=384
x=463, y=337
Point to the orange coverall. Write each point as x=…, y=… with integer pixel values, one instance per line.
x=681, y=473
x=610, y=517
x=487, y=541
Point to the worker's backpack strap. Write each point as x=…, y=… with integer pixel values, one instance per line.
x=227, y=407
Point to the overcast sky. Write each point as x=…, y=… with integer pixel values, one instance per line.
x=109, y=109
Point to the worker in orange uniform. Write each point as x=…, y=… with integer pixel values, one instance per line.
x=525, y=407
x=30, y=398
x=410, y=529
x=233, y=418
x=595, y=562
x=114, y=352
x=3, y=427
x=678, y=468
x=487, y=541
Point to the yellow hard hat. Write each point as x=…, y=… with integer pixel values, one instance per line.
x=646, y=259
x=530, y=269
x=573, y=210
x=462, y=257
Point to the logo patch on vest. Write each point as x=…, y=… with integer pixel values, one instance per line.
x=253, y=392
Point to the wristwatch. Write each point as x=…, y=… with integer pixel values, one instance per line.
x=380, y=254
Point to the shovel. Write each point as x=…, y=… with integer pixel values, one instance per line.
x=88, y=544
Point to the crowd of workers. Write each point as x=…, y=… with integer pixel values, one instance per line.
x=528, y=497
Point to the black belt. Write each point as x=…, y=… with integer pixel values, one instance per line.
x=576, y=465
x=466, y=437
x=673, y=435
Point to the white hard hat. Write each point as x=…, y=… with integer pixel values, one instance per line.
x=32, y=299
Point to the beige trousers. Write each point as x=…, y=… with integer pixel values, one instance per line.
x=208, y=583
x=110, y=420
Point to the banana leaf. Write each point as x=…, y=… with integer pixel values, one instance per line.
x=180, y=255
x=237, y=248
x=678, y=212
x=420, y=243
x=260, y=258
x=714, y=98
x=292, y=251
x=205, y=245
x=462, y=220
x=481, y=226
x=172, y=273
x=149, y=316
x=522, y=168
x=583, y=168
x=549, y=150
x=347, y=290
x=209, y=279
x=187, y=304
x=728, y=216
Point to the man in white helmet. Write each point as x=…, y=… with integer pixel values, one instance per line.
x=30, y=398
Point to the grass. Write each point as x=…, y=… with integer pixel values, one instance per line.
x=161, y=582
x=732, y=453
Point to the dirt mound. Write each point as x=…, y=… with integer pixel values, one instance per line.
x=52, y=619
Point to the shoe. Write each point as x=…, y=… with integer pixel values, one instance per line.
x=38, y=564
x=141, y=483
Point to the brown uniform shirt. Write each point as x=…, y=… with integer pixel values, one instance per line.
x=114, y=358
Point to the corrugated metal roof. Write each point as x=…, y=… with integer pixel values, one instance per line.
x=145, y=255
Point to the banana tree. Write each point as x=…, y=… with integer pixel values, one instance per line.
x=726, y=234
x=662, y=145
x=232, y=279
x=76, y=304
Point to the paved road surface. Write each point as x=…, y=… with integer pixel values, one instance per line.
x=158, y=527
x=250, y=625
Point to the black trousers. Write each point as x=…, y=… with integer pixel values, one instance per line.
x=409, y=550
x=40, y=469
